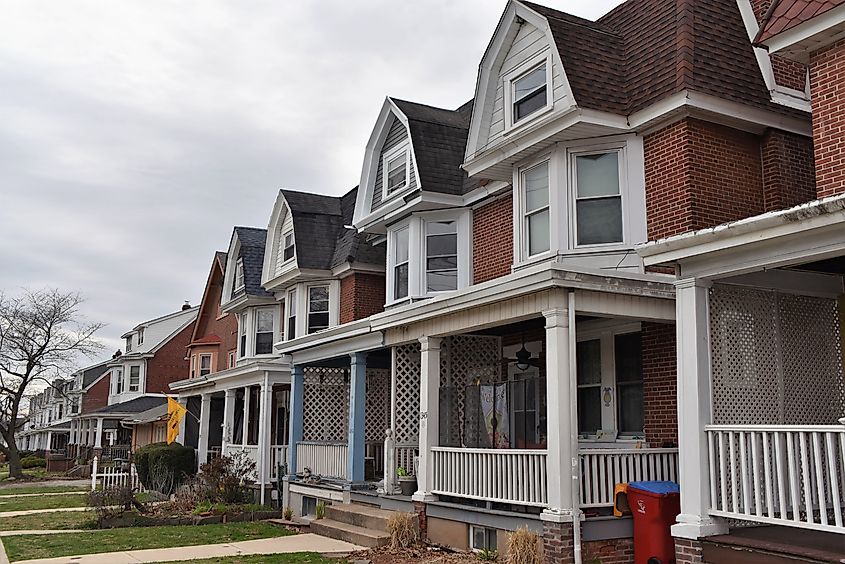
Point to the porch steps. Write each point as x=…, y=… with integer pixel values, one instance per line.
x=359, y=524
x=774, y=545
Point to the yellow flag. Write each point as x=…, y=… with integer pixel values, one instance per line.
x=175, y=413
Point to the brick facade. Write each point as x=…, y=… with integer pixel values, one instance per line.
x=827, y=83
x=361, y=295
x=558, y=543
x=610, y=551
x=211, y=322
x=789, y=176
x=169, y=363
x=688, y=551
x=699, y=174
x=790, y=74
x=97, y=395
x=492, y=240
x=660, y=384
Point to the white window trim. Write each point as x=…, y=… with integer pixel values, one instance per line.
x=472, y=529
x=239, y=268
x=388, y=156
x=141, y=385
x=510, y=77
x=622, y=167
x=210, y=358
x=607, y=332
x=243, y=331
x=284, y=248
x=417, y=287
x=307, y=306
x=140, y=336
x=291, y=311
x=301, y=311
x=521, y=252
x=254, y=325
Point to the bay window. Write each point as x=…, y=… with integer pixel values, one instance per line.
x=598, y=199
x=318, y=308
x=535, y=187
x=193, y=365
x=134, y=378
x=441, y=256
x=290, y=333
x=401, y=259
x=242, y=319
x=117, y=375
x=205, y=364
x=264, y=331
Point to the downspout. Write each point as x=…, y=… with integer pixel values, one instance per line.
x=264, y=457
x=573, y=433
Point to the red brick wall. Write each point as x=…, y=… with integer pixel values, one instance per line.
x=789, y=176
x=492, y=240
x=699, y=174
x=169, y=363
x=688, y=551
x=610, y=551
x=788, y=73
x=209, y=322
x=97, y=395
x=827, y=84
x=660, y=384
x=361, y=295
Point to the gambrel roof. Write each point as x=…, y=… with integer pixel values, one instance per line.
x=251, y=253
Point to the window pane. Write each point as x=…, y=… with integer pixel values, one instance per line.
x=538, y=232
x=265, y=321
x=629, y=357
x=599, y=221
x=536, y=187
x=264, y=343
x=317, y=321
x=442, y=263
x=597, y=175
x=400, y=281
x=530, y=104
x=442, y=281
x=529, y=82
x=205, y=362
x=396, y=173
x=630, y=397
x=588, y=361
x=291, y=334
x=401, y=252
x=441, y=227
x=589, y=410
x=318, y=299
x=442, y=245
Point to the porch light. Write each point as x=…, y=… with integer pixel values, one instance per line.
x=523, y=359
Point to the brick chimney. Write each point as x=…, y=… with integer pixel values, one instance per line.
x=186, y=305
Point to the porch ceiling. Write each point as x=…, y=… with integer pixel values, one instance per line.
x=834, y=265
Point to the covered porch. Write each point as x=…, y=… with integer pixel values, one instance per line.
x=760, y=308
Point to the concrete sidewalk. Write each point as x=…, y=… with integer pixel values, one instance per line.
x=42, y=494
x=279, y=545
x=44, y=483
x=34, y=511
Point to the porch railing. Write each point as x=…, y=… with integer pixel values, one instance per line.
x=323, y=459
x=115, y=452
x=780, y=474
x=251, y=452
x=278, y=455
x=603, y=468
x=499, y=475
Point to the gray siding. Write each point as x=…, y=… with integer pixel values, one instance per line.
x=396, y=135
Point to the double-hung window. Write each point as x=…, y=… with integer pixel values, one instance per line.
x=529, y=92
x=441, y=256
x=140, y=336
x=129, y=343
x=588, y=355
x=242, y=320
x=118, y=381
x=264, y=331
x=134, y=378
x=205, y=364
x=318, y=308
x=289, y=246
x=535, y=193
x=598, y=198
x=239, y=275
x=401, y=263
x=395, y=171
x=231, y=359
x=291, y=325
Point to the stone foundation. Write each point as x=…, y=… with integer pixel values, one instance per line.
x=688, y=551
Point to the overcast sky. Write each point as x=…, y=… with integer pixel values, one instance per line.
x=135, y=134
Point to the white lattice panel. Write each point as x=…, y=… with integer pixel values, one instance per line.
x=406, y=371
x=377, y=415
x=471, y=359
x=326, y=404
x=775, y=358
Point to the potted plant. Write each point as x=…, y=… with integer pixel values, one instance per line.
x=407, y=482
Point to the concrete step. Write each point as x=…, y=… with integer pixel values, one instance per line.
x=349, y=533
x=365, y=516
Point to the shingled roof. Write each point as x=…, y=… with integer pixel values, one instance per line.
x=783, y=15
x=252, y=240
x=439, y=138
x=645, y=50
x=322, y=240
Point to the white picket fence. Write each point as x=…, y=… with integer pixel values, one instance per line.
x=108, y=477
x=779, y=474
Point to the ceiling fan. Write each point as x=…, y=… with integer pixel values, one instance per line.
x=523, y=360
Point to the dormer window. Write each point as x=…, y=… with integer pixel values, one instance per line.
x=289, y=249
x=129, y=343
x=140, y=336
x=239, y=275
x=395, y=170
x=527, y=89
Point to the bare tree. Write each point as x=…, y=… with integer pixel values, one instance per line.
x=42, y=336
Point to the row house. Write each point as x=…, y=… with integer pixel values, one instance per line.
x=133, y=383
x=524, y=361
x=760, y=307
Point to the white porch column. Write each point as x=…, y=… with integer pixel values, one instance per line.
x=560, y=456
x=694, y=410
x=202, y=440
x=71, y=440
x=49, y=445
x=228, y=418
x=264, y=422
x=429, y=415
x=98, y=439
x=245, y=430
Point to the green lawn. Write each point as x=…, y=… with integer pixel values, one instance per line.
x=4, y=491
x=296, y=558
x=48, y=521
x=9, y=503
x=28, y=472
x=28, y=547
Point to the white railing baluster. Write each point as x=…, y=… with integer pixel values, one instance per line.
x=819, y=471
x=743, y=469
x=805, y=478
x=723, y=481
x=755, y=469
x=831, y=474
x=767, y=474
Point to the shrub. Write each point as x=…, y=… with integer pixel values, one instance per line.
x=523, y=547
x=402, y=529
x=162, y=467
x=320, y=510
x=288, y=515
x=110, y=502
x=226, y=478
x=33, y=462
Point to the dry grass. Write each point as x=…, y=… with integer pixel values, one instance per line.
x=403, y=530
x=523, y=547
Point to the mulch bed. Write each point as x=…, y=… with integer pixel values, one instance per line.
x=418, y=554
